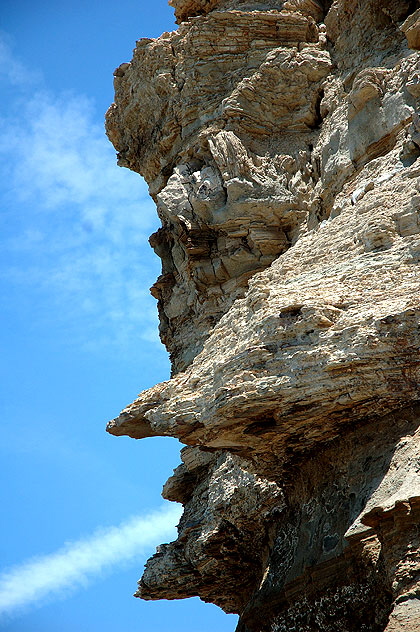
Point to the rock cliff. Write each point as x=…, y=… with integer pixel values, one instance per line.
x=281, y=144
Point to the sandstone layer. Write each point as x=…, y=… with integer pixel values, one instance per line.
x=281, y=144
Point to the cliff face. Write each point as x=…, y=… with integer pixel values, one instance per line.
x=281, y=144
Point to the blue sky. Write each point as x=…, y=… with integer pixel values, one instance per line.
x=81, y=510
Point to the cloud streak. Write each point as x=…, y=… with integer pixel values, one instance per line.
x=75, y=564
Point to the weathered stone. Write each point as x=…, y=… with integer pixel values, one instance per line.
x=216, y=537
x=281, y=143
x=411, y=29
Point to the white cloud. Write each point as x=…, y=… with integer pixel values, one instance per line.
x=78, y=562
x=63, y=156
x=76, y=224
x=10, y=68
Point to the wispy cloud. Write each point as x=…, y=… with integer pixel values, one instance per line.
x=11, y=68
x=75, y=224
x=79, y=562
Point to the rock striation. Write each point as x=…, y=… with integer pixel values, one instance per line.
x=281, y=144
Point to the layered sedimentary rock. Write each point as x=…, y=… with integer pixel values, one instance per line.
x=281, y=144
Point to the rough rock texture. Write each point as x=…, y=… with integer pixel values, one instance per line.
x=281, y=143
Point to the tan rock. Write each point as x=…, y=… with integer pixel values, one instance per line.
x=411, y=29
x=281, y=143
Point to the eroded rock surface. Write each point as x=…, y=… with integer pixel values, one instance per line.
x=281, y=143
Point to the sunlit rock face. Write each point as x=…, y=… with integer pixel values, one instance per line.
x=281, y=144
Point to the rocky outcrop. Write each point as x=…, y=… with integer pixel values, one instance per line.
x=281, y=144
